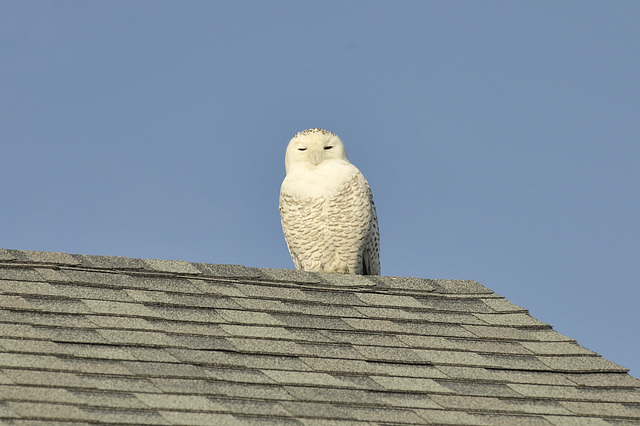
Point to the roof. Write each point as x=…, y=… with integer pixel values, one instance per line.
x=92, y=339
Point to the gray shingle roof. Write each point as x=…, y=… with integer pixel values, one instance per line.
x=91, y=339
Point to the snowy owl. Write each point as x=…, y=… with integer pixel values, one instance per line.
x=326, y=207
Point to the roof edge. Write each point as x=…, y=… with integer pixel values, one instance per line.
x=390, y=284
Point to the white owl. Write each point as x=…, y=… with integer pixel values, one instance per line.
x=326, y=207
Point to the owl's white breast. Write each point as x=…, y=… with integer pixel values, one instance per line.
x=319, y=181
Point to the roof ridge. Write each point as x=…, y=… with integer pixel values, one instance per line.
x=259, y=276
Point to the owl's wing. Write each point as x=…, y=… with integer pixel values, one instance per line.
x=371, y=254
x=288, y=219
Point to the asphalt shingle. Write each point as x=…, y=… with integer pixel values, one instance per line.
x=89, y=339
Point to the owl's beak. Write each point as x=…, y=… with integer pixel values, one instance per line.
x=316, y=157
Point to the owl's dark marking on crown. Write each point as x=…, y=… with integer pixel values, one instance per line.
x=314, y=130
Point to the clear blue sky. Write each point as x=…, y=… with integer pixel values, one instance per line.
x=501, y=139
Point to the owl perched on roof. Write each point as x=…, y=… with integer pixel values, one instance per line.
x=326, y=207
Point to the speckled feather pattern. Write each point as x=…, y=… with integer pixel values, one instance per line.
x=326, y=207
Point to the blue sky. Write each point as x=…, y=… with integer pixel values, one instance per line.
x=500, y=139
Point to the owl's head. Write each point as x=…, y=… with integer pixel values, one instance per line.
x=312, y=147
